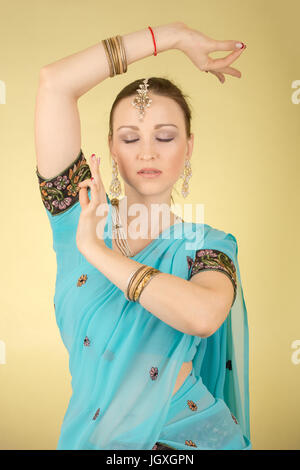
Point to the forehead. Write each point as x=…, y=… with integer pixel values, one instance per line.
x=161, y=110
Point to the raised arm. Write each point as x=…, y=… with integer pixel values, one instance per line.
x=62, y=83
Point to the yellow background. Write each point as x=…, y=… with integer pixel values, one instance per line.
x=245, y=171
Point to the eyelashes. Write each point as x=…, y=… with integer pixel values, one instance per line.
x=160, y=140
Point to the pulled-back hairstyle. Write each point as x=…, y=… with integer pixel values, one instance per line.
x=159, y=86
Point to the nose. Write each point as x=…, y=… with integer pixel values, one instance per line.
x=146, y=150
x=146, y=157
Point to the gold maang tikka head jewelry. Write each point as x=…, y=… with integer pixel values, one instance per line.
x=142, y=100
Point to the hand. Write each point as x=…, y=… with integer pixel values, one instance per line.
x=94, y=212
x=197, y=46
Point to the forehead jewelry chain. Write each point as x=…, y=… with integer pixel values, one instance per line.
x=142, y=100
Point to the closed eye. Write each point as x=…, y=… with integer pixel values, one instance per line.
x=161, y=140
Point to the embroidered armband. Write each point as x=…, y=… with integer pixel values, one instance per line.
x=61, y=192
x=217, y=261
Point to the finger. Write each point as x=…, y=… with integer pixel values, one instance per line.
x=214, y=64
x=95, y=198
x=219, y=75
x=85, y=184
x=229, y=45
x=229, y=71
x=95, y=170
x=95, y=162
x=83, y=196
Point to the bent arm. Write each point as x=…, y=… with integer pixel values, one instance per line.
x=183, y=305
x=62, y=83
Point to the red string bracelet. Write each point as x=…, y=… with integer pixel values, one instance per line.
x=155, y=51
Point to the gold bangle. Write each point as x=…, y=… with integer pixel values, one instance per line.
x=118, y=53
x=123, y=53
x=146, y=279
x=108, y=57
x=111, y=56
x=128, y=281
x=132, y=277
x=115, y=56
x=136, y=280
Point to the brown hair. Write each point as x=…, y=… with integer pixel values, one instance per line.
x=159, y=86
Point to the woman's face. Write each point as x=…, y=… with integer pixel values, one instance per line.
x=149, y=144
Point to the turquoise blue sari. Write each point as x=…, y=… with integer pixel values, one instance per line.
x=124, y=361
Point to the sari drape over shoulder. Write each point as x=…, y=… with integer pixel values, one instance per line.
x=124, y=361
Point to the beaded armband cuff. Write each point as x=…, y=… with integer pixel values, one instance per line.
x=217, y=261
x=61, y=192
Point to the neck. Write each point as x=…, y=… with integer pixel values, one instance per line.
x=154, y=217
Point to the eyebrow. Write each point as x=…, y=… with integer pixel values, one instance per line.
x=155, y=127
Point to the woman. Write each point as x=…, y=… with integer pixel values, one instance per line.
x=157, y=335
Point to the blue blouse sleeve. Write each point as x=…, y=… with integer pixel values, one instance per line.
x=60, y=196
x=214, y=259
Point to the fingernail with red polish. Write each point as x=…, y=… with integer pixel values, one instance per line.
x=92, y=178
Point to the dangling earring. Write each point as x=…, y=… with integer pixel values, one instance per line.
x=186, y=175
x=115, y=185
